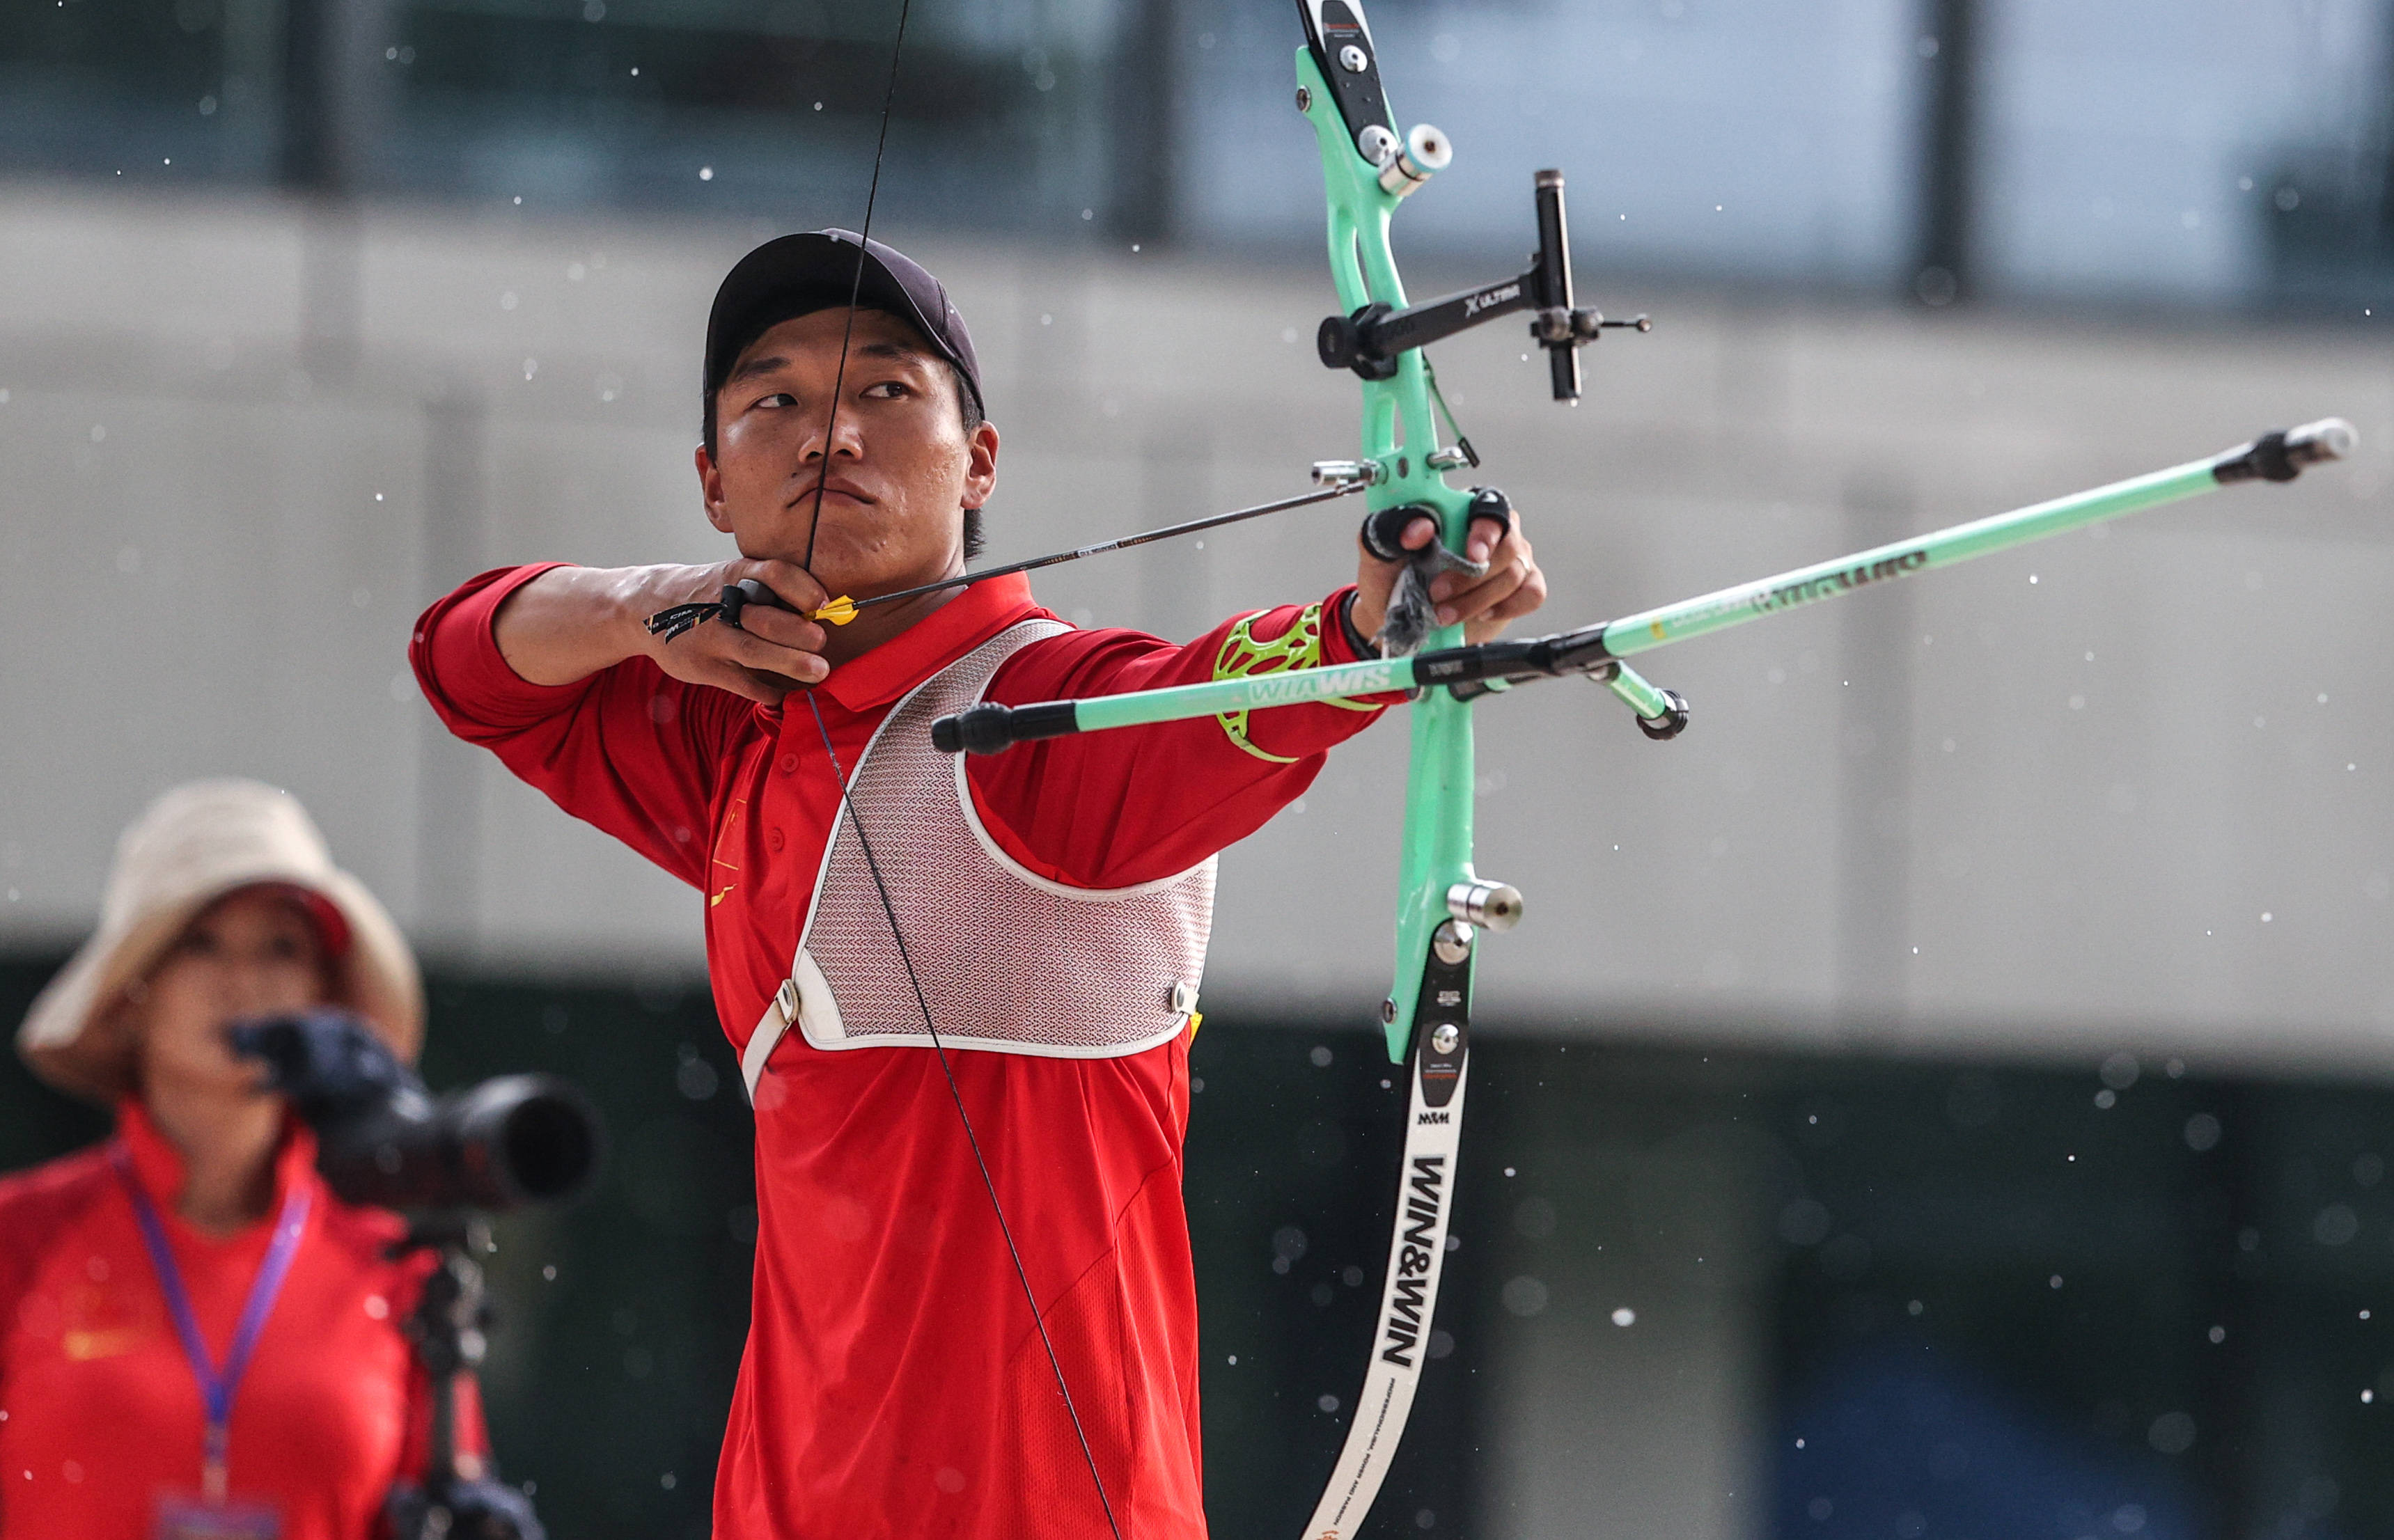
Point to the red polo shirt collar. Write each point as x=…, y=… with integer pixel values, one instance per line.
x=162, y=1170
x=888, y=671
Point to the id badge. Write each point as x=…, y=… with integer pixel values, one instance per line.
x=185, y=1517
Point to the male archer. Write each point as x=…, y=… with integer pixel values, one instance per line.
x=962, y=990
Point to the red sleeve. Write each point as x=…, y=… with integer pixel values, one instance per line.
x=1109, y=809
x=630, y=749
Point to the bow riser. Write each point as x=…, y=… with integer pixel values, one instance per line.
x=1399, y=431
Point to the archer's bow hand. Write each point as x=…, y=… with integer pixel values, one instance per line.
x=1494, y=583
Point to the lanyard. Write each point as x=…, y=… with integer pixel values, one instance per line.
x=218, y=1384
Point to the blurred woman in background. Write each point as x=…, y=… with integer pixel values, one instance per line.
x=197, y=1339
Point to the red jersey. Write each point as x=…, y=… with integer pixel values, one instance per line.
x=100, y=1415
x=894, y=1381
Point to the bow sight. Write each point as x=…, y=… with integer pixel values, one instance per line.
x=1370, y=338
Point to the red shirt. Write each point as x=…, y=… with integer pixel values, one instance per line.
x=893, y=1381
x=100, y=1412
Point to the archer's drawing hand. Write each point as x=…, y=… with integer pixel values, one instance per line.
x=1511, y=587
x=569, y=622
x=772, y=651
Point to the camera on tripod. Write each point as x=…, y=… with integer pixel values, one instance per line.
x=384, y=1140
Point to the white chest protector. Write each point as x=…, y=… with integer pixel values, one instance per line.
x=1008, y=961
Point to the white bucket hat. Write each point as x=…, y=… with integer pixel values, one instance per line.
x=193, y=846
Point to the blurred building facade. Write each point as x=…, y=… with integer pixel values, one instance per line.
x=2125, y=790
x=2147, y=151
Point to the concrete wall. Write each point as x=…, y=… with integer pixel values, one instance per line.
x=2126, y=789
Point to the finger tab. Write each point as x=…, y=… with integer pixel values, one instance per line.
x=1384, y=529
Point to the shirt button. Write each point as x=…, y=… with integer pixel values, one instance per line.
x=789, y=764
x=773, y=840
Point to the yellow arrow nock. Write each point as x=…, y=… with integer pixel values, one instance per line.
x=837, y=611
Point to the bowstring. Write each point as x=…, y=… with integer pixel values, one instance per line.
x=864, y=846
x=955, y=1094
x=855, y=284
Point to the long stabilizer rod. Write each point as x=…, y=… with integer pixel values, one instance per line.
x=1598, y=649
x=2273, y=457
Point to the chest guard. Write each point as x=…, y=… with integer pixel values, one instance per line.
x=1008, y=961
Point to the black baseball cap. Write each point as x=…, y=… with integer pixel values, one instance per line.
x=793, y=275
